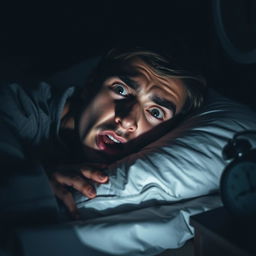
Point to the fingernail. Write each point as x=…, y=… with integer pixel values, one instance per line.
x=91, y=192
x=102, y=176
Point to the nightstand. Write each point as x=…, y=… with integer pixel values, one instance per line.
x=217, y=233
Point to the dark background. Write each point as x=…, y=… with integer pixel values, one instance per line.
x=39, y=40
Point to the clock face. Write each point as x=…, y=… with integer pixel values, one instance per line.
x=238, y=188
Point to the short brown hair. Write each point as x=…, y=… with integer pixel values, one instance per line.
x=162, y=65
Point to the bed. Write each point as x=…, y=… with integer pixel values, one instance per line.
x=146, y=206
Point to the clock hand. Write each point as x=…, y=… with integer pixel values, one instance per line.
x=243, y=193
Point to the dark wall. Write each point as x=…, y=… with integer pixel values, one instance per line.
x=228, y=70
x=39, y=40
x=49, y=38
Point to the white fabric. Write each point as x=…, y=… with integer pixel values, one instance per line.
x=185, y=164
x=146, y=231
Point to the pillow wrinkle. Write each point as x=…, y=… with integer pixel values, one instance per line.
x=185, y=163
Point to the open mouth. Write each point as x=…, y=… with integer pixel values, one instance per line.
x=110, y=142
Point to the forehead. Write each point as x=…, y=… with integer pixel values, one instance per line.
x=150, y=82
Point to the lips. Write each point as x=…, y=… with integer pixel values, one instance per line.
x=110, y=142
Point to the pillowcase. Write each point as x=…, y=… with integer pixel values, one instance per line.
x=185, y=163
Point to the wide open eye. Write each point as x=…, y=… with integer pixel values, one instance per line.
x=156, y=112
x=120, y=89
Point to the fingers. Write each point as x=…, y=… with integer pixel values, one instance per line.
x=89, y=171
x=84, y=187
x=59, y=180
x=77, y=183
x=97, y=176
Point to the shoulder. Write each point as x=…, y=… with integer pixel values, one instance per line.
x=16, y=99
x=25, y=109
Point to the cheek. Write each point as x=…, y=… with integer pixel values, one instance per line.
x=100, y=112
x=97, y=116
x=101, y=100
x=102, y=109
x=95, y=112
x=101, y=103
x=144, y=126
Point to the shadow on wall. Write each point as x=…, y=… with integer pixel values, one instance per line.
x=233, y=49
x=41, y=40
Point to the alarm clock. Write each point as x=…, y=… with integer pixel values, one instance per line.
x=238, y=181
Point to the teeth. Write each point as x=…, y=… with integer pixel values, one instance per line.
x=113, y=139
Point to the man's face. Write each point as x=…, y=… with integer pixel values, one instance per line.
x=128, y=106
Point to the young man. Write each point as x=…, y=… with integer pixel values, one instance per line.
x=131, y=98
x=138, y=94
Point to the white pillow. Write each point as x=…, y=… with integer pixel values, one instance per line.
x=135, y=214
x=185, y=163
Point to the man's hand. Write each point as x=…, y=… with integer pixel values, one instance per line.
x=79, y=178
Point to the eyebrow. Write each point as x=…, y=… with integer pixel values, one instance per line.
x=158, y=100
x=128, y=81
x=165, y=103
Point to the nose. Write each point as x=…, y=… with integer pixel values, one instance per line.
x=127, y=116
x=127, y=123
